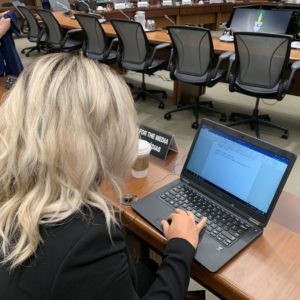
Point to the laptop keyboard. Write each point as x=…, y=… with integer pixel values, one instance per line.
x=221, y=224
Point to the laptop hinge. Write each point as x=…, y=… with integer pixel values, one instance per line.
x=254, y=221
x=185, y=180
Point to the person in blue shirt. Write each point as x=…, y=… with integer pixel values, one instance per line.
x=10, y=62
x=4, y=24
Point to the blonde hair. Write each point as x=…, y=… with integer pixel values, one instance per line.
x=68, y=124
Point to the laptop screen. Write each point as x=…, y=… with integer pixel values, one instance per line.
x=243, y=170
x=260, y=20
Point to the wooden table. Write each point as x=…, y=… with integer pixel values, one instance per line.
x=2, y=88
x=268, y=269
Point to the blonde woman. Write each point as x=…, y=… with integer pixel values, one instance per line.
x=68, y=125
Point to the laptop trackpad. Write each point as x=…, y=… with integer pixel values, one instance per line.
x=153, y=210
x=164, y=216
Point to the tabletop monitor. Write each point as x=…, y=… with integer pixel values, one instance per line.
x=260, y=20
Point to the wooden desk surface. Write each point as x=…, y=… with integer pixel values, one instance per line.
x=268, y=269
x=160, y=36
x=2, y=88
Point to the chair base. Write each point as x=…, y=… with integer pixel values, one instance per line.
x=33, y=48
x=255, y=120
x=143, y=93
x=30, y=49
x=197, y=106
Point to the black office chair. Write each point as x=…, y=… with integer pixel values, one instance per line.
x=192, y=62
x=136, y=54
x=97, y=45
x=23, y=23
x=57, y=38
x=81, y=5
x=260, y=69
x=36, y=33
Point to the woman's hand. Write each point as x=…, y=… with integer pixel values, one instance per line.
x=181, y=224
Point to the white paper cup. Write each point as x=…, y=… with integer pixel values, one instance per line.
x=141, y=164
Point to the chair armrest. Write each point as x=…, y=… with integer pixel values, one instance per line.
x=157, y=48
x=170, y=59
x=43, y=30
x=225, y=55
x=294, y=67
x=231, y=61
x=70, y=32
x=112, y=44
x=221, y=58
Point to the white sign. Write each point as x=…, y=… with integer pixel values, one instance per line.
x=120, y=5
x=142, y=4
x=167, y=3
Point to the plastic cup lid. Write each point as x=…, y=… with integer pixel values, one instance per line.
x=144, y=147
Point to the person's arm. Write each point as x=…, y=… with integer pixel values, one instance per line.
x=3, y=13
x=97, y=268
x=182, y=233
x=4, y=26
x=172, y=277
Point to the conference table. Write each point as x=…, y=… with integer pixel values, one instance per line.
x=268, y=269
x=161, y=36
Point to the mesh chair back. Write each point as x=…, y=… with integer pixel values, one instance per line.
x=193, y=50
x=54, y=32
x=260, y=58
x=34, y=27
x=133, y=41
x=96, y=41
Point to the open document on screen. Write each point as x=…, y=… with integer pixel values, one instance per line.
x=243, y=170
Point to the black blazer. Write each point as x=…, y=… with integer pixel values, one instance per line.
x=78, y=260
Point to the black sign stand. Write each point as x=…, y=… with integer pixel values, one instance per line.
x=161, y=143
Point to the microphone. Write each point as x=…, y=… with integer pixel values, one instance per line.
x=169, y=19
x=125, y=15
x=96, y=14
x=101, y=18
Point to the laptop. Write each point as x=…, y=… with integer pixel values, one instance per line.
x=60, y=5
x=231, y=178
x=257, y=20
